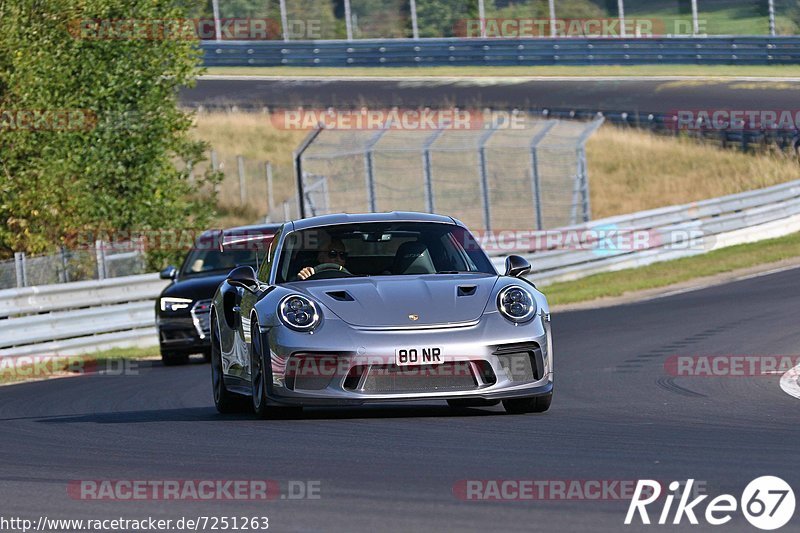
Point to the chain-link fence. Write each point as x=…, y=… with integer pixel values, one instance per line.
x=101, y=261
x=493, y=178
x=388, y=19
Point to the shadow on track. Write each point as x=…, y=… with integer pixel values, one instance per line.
x=208, y=414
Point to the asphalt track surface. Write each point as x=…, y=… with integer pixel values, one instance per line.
x=621, y=94
x=617, y=415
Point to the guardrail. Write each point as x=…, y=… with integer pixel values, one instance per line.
x=743, y=50
x=76, y=317
x=82, y=316
x=670, y=233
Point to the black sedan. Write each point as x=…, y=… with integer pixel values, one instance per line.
x=182, y=310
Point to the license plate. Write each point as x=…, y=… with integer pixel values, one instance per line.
x=418, y=356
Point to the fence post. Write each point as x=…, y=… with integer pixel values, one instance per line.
x=64, y=264
x=348, y=21
x=414, y=27
x=100, y=255
x=487, y=214
x=270, y=197
x=536, y=181
x=430, y=204
x=286, y=211
x=215, y=8
x=242, y=186
x=284, y=20
x=552, y=9
x=215, y=167
x=368, y=168
x=298, y=169
x=771, y=7
x=20, y=267
x=621, y=15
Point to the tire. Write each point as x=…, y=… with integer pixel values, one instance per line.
x=174, y=358
x=537, y=404
x=258, y=382
x=465, y=403
x=224, y=400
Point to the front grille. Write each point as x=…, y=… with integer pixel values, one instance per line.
x=310, y=372
x=521, y=362
x=201, y=317
x=451, y=376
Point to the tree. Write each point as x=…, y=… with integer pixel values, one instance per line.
x=118, y=162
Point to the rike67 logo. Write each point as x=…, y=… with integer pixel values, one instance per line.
x=767, y=503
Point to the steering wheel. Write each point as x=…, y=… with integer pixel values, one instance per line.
x=329, y=270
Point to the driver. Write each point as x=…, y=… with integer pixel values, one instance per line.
x=334, y=252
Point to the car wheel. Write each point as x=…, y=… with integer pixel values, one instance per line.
x=258, y=381
x=174, y=358
x=537, y=404
x=224, y=400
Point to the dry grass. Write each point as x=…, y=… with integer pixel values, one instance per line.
x=252, y=136
x=629, y=170
x=633, y=170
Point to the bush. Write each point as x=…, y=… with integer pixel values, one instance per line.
x=118, y=163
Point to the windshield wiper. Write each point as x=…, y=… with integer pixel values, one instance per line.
x=454, y=272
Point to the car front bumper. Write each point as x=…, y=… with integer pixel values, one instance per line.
x=491, y=359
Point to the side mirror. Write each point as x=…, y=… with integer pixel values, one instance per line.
x=517, y=266
x=169, y=273
x=244, y=277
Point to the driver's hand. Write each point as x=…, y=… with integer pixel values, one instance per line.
x=306, y=273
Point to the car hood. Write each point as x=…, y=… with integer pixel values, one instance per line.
x=388, y=301
x=196, y=287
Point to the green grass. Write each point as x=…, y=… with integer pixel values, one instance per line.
x=610, y=70
x=28, y=370
x=671, y=272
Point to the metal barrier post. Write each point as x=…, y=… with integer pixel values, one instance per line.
x=217, y=30
x=487, y=214
x=771, y=7
x=536, y=182
x=270, y=196
x=284, y=20
x=426, y=170
x=298, y=169
x=348, y=21
x=368, y=170
x=414, y=28
x=19, y=267
x=100, y=255
x=242, y=186
x=582, y=177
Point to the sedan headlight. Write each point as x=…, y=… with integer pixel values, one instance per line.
x=299, y=312
x=175, y=304
x=516, y=304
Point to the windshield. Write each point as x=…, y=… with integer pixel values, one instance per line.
x=380, y=249
x=207, y=261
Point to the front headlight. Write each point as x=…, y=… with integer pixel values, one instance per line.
x=299, y=312
x=516, y=304
x=175, y=304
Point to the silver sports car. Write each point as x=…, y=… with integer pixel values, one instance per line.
x=351, y=309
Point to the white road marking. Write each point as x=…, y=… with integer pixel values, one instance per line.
x=789, y=382
x=490, y=80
